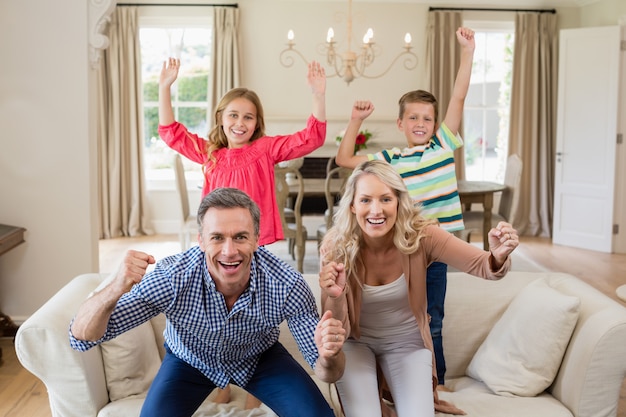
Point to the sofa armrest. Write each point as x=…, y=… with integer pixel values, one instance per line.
x=42, y=346
x=594, y=366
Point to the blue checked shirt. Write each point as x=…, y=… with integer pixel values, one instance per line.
x=224, y=345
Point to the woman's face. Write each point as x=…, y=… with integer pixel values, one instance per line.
x=239, y=121
x=375, y=206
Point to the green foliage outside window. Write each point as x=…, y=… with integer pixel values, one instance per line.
x=190, y=98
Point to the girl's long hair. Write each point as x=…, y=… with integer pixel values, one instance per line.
x=342, y=243
x=217, y=138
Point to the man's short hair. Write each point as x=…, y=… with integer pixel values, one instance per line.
x=230, y=198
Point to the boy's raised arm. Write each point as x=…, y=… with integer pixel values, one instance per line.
x=454, y=114
x=345, y=154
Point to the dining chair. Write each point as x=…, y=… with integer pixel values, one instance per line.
x=473, y=219
x=331, y=198
x=294, y=230
x=188, y=229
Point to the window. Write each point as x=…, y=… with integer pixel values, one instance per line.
x=189, y=39
x=486, y=115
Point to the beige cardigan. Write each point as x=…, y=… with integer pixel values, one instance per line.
x=437, y=246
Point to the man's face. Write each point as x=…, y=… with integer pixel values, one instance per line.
x=228, y=240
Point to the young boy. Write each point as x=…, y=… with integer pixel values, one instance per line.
x=427, y=167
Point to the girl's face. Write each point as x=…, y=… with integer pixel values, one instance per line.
x=417, y=123
x=375, y=206
x=239, y=121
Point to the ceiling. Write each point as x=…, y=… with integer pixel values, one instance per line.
x=500, y=4
x=504, y=4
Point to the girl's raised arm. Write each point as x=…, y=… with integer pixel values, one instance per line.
x=316, y=78
x=169, y=73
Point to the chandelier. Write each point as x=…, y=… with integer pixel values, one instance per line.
x=350, y=64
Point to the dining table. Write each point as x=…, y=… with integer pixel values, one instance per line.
x=314, y=187
x=470, y=192
x=480, y=192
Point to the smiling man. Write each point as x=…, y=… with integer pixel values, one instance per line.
x=224, y=301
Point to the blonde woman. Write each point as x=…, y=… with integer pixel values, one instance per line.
x=373, y=279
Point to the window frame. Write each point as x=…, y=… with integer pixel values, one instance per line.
x=175, y=18
x=505, y=25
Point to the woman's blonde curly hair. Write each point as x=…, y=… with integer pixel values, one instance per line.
x=342, y=243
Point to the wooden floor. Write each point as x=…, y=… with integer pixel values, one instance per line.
x=23, y=395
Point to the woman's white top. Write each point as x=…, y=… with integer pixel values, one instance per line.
x=386, y=313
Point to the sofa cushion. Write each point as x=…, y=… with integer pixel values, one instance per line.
x=477, y=400
x=523, y=351
x=131, y=362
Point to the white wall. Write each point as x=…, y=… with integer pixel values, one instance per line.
x=603, y=13
x=46, y=182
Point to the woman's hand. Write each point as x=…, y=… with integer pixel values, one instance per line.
x=329, y=335
x=333, y=279
x=503, y=240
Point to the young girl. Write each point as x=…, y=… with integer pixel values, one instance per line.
x=237, y=153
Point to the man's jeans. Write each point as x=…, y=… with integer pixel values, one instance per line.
x=278, y=381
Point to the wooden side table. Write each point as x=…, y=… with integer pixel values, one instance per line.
x=480, y=192
x=10, y=237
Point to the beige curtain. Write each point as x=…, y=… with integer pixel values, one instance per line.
x=120, y=134
x=443, y=57
x=532, y=133
x=225, y=62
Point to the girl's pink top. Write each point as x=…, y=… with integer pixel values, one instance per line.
x=251, y=168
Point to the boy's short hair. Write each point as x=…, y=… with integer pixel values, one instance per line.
x=418, y=96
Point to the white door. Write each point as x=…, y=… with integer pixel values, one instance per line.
x=586, y=137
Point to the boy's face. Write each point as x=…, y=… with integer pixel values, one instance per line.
x=417, y=123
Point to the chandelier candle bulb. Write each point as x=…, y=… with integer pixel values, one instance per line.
x=330, y=35
x=349, y=64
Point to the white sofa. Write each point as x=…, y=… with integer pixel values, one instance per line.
x=587, y=383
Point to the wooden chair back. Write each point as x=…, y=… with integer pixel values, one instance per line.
x=188, y=229
x=289, y=184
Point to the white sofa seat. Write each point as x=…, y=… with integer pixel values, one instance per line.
x=587, y=384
